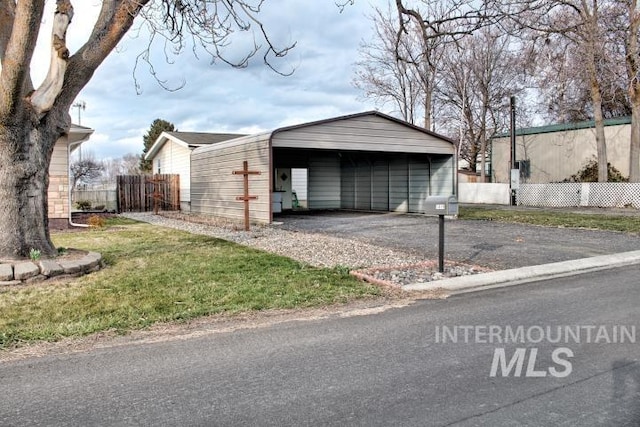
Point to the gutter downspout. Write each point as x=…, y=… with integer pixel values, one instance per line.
x=71, y=223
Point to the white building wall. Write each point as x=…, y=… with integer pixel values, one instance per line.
x=174, y=158
x=299, y=183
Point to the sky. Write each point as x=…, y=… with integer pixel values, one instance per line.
x=219, y=98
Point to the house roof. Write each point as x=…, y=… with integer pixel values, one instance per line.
x=366, y=113
x=563, y=127
x=78, y=134
x=189, y=140
x=448, y=145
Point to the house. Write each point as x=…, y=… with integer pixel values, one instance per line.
x=364, y=161
x=171, y=154
x=553, y=153
x=59, y=191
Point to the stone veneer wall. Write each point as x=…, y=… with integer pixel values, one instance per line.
x=58, y=196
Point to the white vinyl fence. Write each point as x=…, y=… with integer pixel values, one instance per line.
x=484, y=193
x=595, y=194
x=106, y=198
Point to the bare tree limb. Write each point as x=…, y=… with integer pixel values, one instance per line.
x=14, y=78
x=43, y=98
x=7, y=15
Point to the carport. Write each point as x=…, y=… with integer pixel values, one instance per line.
x=365, y=161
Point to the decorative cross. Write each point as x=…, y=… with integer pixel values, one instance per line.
x=157, y=196
x=246, y=197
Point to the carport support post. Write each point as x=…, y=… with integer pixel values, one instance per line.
x=441, y=244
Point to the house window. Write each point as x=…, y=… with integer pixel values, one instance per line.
x=158, y=168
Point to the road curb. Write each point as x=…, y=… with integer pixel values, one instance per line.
x=518, y=276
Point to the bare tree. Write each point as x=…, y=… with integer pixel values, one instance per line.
x=129, y=164
x=426, y=28
x=85, y=171
x=33, y=118
x=480, y=74
x=387, y=79
x=632, y=61
x=580, y=23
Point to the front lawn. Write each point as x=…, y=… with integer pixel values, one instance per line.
x=157, y=274
x=555, y=218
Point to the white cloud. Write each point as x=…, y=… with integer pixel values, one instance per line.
x=218, y=97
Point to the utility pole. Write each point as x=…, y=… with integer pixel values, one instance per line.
x=80, y=105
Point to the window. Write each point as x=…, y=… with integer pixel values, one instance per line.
x=158, y=168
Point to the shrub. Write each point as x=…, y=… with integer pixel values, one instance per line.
x=84, y=205
x=96, y=221
x=589, y=173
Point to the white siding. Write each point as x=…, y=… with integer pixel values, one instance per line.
x=214, y=187
x=363, y=133
x=175, y=159
x=299, y=183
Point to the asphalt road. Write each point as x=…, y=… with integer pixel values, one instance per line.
x=383, y=369
x=487, y=243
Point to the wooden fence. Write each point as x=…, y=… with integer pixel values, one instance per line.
x=141, y=193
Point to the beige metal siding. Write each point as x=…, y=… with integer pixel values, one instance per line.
x=176, y=159
x=555, y=156
x=214, y=188
x=363, y=133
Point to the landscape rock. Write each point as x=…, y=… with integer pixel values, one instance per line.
x=50, y=268
x=6, y=272
x=25, y=270
x=71, y=267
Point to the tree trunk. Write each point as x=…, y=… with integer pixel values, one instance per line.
x=601, y=143
x=633, y=74
x=24, y=181
x=634, y=148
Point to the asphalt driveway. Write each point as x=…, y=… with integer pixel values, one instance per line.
x=486, y=243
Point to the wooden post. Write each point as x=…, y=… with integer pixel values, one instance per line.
x=245, y=172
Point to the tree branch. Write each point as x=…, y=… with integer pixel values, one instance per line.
x=14, y=78
x=43, y=98
x=7, y=15
x=114, y=21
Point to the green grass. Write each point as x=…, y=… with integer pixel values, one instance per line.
x=551, y=218
x=156, y=274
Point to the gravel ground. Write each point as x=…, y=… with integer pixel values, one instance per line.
x=313, y=248
x=373, y=262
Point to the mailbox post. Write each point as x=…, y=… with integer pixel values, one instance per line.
x=441, y=206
